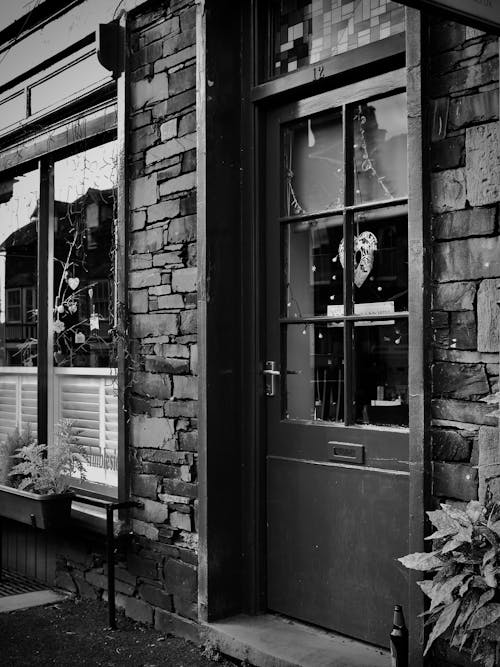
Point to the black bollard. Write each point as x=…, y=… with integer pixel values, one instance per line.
x=399, y=639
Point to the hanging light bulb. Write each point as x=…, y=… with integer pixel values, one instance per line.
x=320, y=335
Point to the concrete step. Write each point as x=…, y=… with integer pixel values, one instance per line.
x=274, y=641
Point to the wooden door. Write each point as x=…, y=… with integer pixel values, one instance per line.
x=336, y=368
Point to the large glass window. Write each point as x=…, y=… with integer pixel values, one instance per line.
x=75, y=221
x=344, y=236
x=19, y=197
x=83, y=297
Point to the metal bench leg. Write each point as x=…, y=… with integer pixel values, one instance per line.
x=110, y=539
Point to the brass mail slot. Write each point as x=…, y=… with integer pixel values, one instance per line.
x=346, y=452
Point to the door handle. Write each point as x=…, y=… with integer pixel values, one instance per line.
x=270, y=373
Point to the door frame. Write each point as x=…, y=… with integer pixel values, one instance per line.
x=257, y=100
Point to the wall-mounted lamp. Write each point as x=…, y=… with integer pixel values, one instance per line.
x=110, y=47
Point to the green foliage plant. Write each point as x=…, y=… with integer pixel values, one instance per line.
x=46, y=471
x=464, y=589
x=14, y=441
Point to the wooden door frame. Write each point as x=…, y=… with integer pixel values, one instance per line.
x=256, y=100
x=230, y=116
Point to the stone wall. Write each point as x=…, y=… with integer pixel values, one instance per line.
x=465, y=191
x=157, y=578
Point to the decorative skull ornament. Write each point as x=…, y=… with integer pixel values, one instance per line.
x=364, y=247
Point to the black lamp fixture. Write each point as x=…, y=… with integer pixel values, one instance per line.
x=110, y=43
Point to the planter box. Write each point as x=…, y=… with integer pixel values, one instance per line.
x=40, y=511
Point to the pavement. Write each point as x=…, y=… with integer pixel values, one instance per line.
x=43, y=628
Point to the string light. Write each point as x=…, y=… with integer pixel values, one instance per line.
x=367, y=164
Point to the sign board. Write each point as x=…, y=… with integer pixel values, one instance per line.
x=484, y=14
x=375, y=308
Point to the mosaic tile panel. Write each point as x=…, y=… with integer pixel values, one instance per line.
x=306, y=32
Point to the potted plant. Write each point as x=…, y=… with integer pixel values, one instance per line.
x=36, y=489
x=464, y=589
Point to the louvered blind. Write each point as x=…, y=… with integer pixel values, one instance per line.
x=85, y=396
x=90, y=402
x=18, y=401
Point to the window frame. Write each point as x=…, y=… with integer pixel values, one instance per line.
x=363, y=62
x=66, y=137
x=370, y=90
x=8, y=292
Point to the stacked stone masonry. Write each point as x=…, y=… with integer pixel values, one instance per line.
x=465, y=193
x=157, y=580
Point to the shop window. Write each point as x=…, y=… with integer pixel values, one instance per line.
x=76, y=221
x=345, y=255
x=300, y=33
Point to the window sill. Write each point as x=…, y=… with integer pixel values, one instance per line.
x=88, y=519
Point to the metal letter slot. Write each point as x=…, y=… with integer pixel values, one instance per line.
x=271, y=373
x=346, y=452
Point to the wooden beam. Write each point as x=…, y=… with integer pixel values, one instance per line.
x=419, y=317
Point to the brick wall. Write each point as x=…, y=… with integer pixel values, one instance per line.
x=465, y=191
x=157, y=578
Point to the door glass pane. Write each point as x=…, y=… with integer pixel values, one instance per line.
x=313, y=166
x=312, y=270
x=314, y=372
x=304, y=33
x=380, y=258
x=381, y=372
x=83, y=357
x=18, y=315
x=380, y=132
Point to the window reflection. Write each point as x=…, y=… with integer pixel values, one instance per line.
x=83, y=355
x=85, y=193
x=380, y=131
x=313, y=165
x=314, y=274
x=18, y=302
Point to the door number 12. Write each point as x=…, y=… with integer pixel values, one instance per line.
x=318, y=72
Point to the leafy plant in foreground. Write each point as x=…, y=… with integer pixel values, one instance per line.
x=464, y=593
x=45, y=470
x=14, y=441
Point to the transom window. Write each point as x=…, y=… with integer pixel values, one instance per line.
x=300, y=33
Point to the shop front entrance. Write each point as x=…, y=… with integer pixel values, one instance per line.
x=336, y=365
